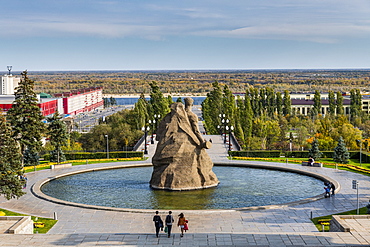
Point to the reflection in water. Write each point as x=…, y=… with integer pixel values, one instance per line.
x=129, y=188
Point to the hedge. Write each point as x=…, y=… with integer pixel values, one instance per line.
x=99, y=155
x=297, y=154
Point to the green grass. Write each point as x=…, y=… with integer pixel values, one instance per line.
x=363, y=211
x=49, y=223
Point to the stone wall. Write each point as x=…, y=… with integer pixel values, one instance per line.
x=23, y=225
x=347, y=223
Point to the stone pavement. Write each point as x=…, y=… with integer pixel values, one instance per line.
x=287, y=225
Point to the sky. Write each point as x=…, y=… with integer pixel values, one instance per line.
x=55, y=35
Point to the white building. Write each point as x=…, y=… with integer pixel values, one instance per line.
x=8, y=83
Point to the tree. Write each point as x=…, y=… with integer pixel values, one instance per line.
x=211, y=108
x=317, y=102
x=279, y=103
x=314, y=151
x=332, y=105
x=340, y=109
x=25, y=117
x=158, y=104
x=10, y=163
x=287, y=104
x=341, y=154
x=58, y=136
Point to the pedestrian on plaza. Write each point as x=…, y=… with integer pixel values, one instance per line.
x=158, y=223
x=24, y=179
x=181, y=223
x=169, y=220
x=327, y=191
x=311, y=161
x=332, y=187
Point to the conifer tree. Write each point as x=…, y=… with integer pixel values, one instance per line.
x=287, y=104
x=212, y=108
x=25, y=117
x=279, y=103
x=340, y=109
x=58, y=137
x=10, y=163
x=341, y=154
x=158, y=103
x=332, y=105
x=317, y=102
x=314, y=151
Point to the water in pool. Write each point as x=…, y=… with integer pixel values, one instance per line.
x=129, y=188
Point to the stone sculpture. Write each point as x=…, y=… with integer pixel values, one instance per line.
x=181, y=161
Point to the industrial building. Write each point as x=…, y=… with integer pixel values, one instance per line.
x=68, y=103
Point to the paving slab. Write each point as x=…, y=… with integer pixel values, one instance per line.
x=286, y=225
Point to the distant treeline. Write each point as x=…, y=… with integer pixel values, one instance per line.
x=200, y=82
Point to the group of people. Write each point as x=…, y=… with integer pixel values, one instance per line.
x=329, y=189
x=167, y=225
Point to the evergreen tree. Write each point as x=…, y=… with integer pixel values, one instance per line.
x=314, y=151
x=317, y=102
x=332, y=105
x=141, y=112
x=58, y=137
x=340, y=108
x=158, y=103
x=341, y=154
x=287, y=104
x=270, y=102
x=10, y=163
x=212, y=108
x=25, y=116
x=279, y=103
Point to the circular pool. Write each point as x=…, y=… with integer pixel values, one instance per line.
x=129, y=188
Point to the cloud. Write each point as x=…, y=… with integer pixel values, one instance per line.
x=315, y=21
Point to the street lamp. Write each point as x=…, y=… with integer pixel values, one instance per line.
x=145, y=137
x=224, y=122
x=152, y=137
x=107, y=146
x=154, y=123
x=230, y=129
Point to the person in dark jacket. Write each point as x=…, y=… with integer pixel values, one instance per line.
x=158, y=223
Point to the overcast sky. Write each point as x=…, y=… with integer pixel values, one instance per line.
x=184, y=34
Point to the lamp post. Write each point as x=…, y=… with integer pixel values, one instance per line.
x=152, y=122
x=107, y=146
x=224, y=122
x=145, y=129
x=231, y=128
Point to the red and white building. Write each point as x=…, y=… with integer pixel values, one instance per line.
x=84, y=100
x=69, y=103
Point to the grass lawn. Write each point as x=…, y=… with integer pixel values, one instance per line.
x=49, y=223
x=317, y=220
x=46, y=164
x=327, y=162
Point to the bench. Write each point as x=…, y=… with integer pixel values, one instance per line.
x=57, y=166
x=305, y=163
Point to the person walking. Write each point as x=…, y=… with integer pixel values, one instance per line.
x=332, y=187
x=158, y=223
x=169, y=220
x=181, y=223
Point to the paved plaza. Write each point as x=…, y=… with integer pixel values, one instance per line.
x=287, y=225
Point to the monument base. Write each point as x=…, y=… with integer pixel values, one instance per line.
x=184, y=189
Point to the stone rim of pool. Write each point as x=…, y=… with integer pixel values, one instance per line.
x=36, y=188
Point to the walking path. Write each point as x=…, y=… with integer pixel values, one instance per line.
x=275, y=226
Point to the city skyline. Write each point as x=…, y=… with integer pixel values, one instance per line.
x=45, y=35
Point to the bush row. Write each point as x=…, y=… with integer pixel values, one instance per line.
x=99, y=155
x=296, y=154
